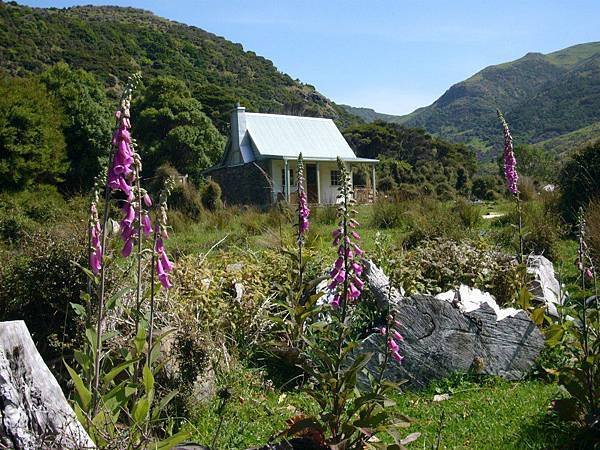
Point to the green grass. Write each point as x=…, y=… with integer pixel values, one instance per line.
x=489, y=414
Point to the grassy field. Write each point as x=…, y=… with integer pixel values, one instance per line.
x=488, y=414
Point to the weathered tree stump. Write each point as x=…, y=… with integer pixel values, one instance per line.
x=441, y=336
x=34, y=413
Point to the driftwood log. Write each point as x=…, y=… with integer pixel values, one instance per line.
x=441, y=337
x=34, y=413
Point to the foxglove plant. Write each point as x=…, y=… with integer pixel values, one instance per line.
x=107, y=400
x=303, y=215
x=349, y=415
x=512, y=177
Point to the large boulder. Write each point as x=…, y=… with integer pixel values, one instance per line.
x=458, y=331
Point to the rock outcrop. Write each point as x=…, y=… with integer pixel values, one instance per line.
x=451, y=334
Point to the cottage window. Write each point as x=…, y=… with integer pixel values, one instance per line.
x=335, y=177
x=291, y=177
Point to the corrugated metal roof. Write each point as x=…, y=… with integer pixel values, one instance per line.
x=286, y=136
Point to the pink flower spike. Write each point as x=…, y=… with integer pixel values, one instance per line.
x=393, y=345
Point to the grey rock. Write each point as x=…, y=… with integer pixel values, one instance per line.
x=447, y=335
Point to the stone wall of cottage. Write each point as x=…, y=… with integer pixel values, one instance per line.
x=244, y=184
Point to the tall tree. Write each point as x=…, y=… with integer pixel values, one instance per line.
x=32, y=146
x=88, y=122
x=173, y=128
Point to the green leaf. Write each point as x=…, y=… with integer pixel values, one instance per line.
x=79, y=310
x=554, y=335
x=538, y=316
x=148, y=378
x=85, y=396
x=118, y=369
x=172, y=441
x=140, y=409
x=162, y=404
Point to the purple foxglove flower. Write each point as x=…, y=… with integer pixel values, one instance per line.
x=127, y=248
x=165, y=281
x=397, y=357
x=358, y=268
x=335, y=302
x=360, y=284
x=146, y=225
x=341, y=274
x=510, y=163
x=166, y=264
x=339, y=263
x=96, y=261
x=355, y=235
x=353, y=293
x=393, y=345
x=336, y=233
x=383, y=331
x=358, y=250
x=159, y=247
x=397, y=336
x=589, y=273
x=129, y=212
x=147, y=200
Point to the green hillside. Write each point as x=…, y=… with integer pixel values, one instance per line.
x=576, y=139
x=369, y=115
x=543, y=96
x=113, y=42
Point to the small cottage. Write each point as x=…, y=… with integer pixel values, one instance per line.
x=259, y=163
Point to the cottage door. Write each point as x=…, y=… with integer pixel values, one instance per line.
x=311, y=183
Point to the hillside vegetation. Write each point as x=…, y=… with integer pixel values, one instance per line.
x=113, y=42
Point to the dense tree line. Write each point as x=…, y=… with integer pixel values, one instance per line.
x=413, y=161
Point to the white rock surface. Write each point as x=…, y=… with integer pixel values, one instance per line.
x=469, y=299
x=543, y=283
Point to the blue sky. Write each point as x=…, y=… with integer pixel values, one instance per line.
x=394, y=55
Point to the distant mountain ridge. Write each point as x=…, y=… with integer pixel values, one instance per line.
x=542, y=96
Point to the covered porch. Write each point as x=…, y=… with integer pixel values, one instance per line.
x=322, y=179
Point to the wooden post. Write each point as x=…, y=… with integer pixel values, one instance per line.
x=318, y=183
x=287, y=179
x=374, y=187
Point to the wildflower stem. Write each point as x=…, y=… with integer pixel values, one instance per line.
x=520, y=214
x=151, y=322
x=138, y=292
x=101, y=292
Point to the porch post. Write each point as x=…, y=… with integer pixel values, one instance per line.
x=287, y=180
x=318, y=183
x=374, y=182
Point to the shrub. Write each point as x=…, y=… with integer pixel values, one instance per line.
x=592, y=218
x=542, y=228
x=39, y=288
x=579, y=181
x=444, y=191
x=186, y=199
x=386, y=184
x=527, y=190
x=469, y=214
x=387, y=213
x=326, y=214
x=210, y=196
x=441, y=264
x=485, y=188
